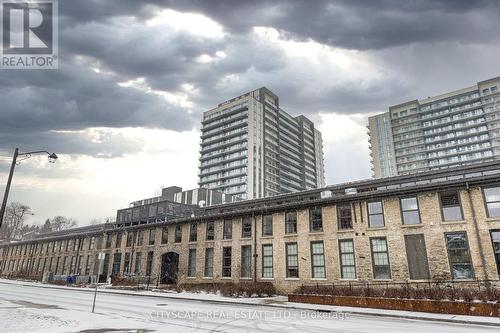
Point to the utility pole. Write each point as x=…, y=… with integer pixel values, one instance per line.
x=7, y=188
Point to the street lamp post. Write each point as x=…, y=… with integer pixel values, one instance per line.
x=52, y=159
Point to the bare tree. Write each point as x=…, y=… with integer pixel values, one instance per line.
x=13, y=223
x=59, y=223
x=95, y=222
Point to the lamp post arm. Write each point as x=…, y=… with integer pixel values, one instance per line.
x=7, y=188
x=34, y=152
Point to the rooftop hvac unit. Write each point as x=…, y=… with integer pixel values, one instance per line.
x=326, y=194
x=351, y=190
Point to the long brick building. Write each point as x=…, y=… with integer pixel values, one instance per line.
x=436, y=225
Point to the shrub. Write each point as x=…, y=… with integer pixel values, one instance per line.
x=408, y=291
x=230, y=289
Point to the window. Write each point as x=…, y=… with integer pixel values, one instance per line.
x=291, y=223
x=344, y=216
x=459, y=255
x=246, y=261
x=73, y=265
x=178, y=233
x=450, y=206
x=118, y=242
x=140, y=237
x=375, y=214
x=267, y=261
x=380, y=258
x=315, y=219
x=63, y=267
x=210, y=230
x=164, y=235
x=209, y=262
x=138, y=258
x=292, y=260
x=227, y=232
x=91, y=244
x=267, y=225
x=347, y=261
x=87, y=265
x=416, y=255
x=117, y=262
x=149, y=263
x=495, y=239
x=246, y=227
x=492, y=197
x=127, y=263
x=108, y=241
x=193, y=232
x=129, y=239
x=318, y=260
x=192, y=263
x=409, y=210
x=152, y=235
x=226, y=261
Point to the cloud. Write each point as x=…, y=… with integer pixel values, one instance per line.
x=131, y=68
x=359, y=24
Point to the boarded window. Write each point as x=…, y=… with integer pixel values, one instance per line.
x=416, y=254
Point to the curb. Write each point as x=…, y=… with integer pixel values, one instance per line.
x=294, y=307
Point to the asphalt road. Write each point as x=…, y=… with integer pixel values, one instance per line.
x=35, y=309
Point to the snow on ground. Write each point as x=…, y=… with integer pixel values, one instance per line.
x=25, y=307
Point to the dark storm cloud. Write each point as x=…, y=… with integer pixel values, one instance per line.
x=356, y=24
x=353, y=24
x=111, y=35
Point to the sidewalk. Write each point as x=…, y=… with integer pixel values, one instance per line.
x=281, y=302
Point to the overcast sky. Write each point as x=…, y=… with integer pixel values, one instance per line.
x=123, y=109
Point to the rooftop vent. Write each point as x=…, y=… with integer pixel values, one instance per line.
x=350, y=191
x=326, y=194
